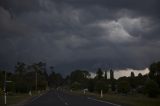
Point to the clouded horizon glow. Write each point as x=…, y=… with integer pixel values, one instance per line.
x=123, y=72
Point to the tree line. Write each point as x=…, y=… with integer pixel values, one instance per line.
x=34, y=77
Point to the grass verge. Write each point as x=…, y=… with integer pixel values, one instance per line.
x=16, y=99
x=125, y=100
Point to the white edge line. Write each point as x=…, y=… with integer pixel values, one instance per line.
x=31, y=101
x=38, y=97
x=103, y=101
x=61, y=99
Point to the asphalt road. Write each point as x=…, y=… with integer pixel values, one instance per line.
x=59, y=98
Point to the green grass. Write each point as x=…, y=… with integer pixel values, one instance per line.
x=130, y=100
x=14, y=99
x=125, y=100
x=11, y=100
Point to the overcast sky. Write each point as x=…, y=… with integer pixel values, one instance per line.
x=86, y=34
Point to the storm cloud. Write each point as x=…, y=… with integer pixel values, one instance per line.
x=87, y=34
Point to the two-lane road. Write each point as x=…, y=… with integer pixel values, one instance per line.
x=59, y=98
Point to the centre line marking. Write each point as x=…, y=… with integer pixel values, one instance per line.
x=103, y=101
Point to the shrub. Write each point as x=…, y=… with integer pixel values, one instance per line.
x=151, y=88
x=101, y=85
x=75, y=86
x=1, y=91
x=123, y=87
x=91, y=85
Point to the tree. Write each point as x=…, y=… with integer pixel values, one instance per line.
x=40, y=77
x=51, y=79
x=1, y=92
x=112, y=80
x=55, y=80
x=140, y=80
x=123, y=87
x=140, y=75
x=111, y=74
x=153, y=69
x=79, y=76
x=76, y=86
x=51, y=68
x=155, y=72
x=132, y=80
x=132, y=75
x=151, y=88
x=91, y=85
x=101, y=85
x=105, y=75
x=20, y=68
x=99, y=74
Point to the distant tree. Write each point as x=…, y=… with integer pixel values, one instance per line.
x=123, y=87
x=155, y=72
x=101, y=85
x=79, y=76
x=140, y=80
x=40, y=75
x=51, y=68
x=2, y=74
x=111, y=74
x=99, y=74
x=55, y=79
x=132, y=80
x=112, y=80
x=132, y=75
x=140, y=75
x=151, y=88
x=1, y=92
x=105, y=75
x=58, y=79
x=66, y=81
x=91, y=85
x=51, y=79
x=20, y=68
x=75, y=86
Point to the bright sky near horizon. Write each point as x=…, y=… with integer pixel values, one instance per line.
x=125, y=72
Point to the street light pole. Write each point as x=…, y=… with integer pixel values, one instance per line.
x=5, y=92
x=36, y=82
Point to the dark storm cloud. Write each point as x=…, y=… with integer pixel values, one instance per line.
x=80, y=33
x=143, y=6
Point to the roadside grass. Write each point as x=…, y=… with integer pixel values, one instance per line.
x=124, y=100
x=13, y=100
x=132, y=100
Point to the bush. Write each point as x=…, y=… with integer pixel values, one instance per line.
x=91, y=85
x=75, y=86
x=101, y=85
x=123, y=87
x=1, y=91
x=151, y=88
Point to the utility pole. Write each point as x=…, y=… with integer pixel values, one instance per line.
x=5, y=92
x=5, y=87
x=36, y=81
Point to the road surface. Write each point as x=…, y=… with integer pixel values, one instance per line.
x=59, y=98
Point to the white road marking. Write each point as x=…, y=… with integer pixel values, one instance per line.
x=66, y=103
x=61, y=99
x=38, y=97
x=103, y=101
